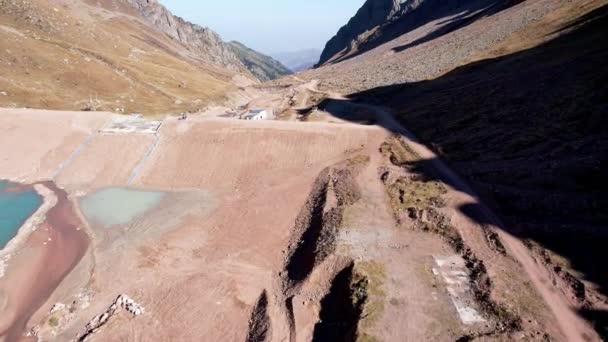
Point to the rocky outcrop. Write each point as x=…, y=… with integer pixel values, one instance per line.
x=380, y=21
x=121, y=302
x=373, y=14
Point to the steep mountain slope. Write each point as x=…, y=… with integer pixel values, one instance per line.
x=263, y=67
x=380, y=21
x=206, y=43
x=432, y=49
x=372, y=14
x=299, y=60
x=82, y=57
x=514, y=100
x=202, y=41
x=116, y=55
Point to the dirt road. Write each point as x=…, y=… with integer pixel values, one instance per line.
x=572, y=325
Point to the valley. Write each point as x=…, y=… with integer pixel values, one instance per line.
x=437, y=177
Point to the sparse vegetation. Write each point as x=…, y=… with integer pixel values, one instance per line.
x=411, y=194
x=126, y=66
x=265, y=68
x=53, y=321
x=374, y=274
x=364, y=337
x=358, y=160
x=398, y=151
x=342, y=308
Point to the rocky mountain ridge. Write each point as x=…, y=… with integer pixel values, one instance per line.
x=372, y=14
x=117, y=55
x=206, y=43
x=380, y=21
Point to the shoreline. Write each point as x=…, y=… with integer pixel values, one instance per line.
x=49, y=200
x=51, y=250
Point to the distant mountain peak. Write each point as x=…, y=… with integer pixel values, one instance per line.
x=207, y=44
x=299, y=60
x=263, y=67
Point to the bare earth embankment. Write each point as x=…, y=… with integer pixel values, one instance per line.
x=513, y=102
x=348, y=229
x=266, y=231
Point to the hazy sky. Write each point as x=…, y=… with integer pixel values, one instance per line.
x=269, y=25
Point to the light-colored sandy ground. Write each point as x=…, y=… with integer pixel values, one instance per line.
x=108, y=160
x=236, y=156
x=184, y=264
x=199, y=261
x=34, y=143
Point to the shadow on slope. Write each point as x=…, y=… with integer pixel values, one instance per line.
x=529, y=132
x=466, y=18
x=462, y=13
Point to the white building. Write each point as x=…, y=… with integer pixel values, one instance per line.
x=257, y=114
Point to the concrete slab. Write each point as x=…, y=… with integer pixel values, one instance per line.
x=456, y=277
x=131, y=124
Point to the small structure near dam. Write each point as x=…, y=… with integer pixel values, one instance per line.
x=258, y=114
x=135, y=123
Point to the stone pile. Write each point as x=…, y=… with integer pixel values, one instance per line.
x=121, y=302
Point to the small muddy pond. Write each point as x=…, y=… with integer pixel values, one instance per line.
x=17, y=204
x=118, y=206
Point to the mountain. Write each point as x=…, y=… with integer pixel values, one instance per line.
x=208, y=44
x=511, y=95
x=299, y=60
x=201, y=41
x=263, y=67
x=380, y=21
x=116, y=55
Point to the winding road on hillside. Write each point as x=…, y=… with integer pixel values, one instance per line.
x=572, y=325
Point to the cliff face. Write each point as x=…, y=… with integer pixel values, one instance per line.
x=207, y=44
x=373, y=14
x=380, y=21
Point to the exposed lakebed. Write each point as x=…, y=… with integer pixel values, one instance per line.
x=17, y=203
x=118, y=206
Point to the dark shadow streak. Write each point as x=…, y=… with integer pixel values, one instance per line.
x=452, y=25
x=422, y=15
x=529, y=133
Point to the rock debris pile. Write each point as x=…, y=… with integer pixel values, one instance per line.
x=121, y=302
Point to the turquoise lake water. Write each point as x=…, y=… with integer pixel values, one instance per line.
x=15, y=209
x=118, y=206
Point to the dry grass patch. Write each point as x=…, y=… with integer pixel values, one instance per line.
x=59, y=62
x=398, y=151
x=368, y=279
x=410, y=193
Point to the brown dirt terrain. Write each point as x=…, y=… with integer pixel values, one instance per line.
x=74, y=56
x=44, y=140
x=430, y=51
x=265, y=227
x=96, y=168
x=288, y=231
x=529, y=142
x=523, y=127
